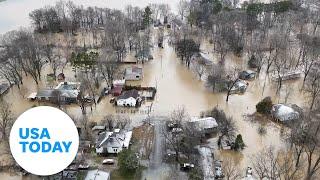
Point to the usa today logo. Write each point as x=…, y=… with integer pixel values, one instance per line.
x=44, y=140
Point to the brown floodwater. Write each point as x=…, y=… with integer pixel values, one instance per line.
x=178, y=87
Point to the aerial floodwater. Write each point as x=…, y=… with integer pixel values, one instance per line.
x=177, y=86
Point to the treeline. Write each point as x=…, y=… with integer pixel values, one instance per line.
x=23, y=54
x=68, y=17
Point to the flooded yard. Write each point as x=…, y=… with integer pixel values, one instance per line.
x=177, y=86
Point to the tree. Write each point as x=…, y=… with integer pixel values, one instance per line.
x=123, y=121
x=108, y=67
x=174, y=139
x=226, y=125
x=230, y=168
x=147, y=17
x=199, y=67
x=313, y=85
x=6, y=118
x=128, y=161
x=115, y=35
x=239, y=144
x=186, y=48
x=264, y=106
x=109, y=121
x=232, y=79
x=265, y=164
x=215, y=78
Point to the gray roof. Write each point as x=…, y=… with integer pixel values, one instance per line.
x=131, y=93
x=49, y=93
x=3, y=88
x=284, y=113
x=45, y=93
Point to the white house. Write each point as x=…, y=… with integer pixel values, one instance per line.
x=206, y=125
x=113, y=142
x=128, y=98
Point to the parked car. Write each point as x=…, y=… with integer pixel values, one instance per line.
x=249, y=172
x=108, y=161
x=186, y=166
x=247, y=75
x=218, y=170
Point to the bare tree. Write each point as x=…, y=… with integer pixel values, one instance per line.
x=313, y=85
x=122, y=121
x=231, y=169
x=174, y=139
x=109, y=121
x=6, y=118
x=226, y=125
x=232, y=78
x=199, y=67
x=265, y=164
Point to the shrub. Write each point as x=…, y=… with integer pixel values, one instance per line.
x=252, y=63
x=128, y=161
x=264, y=106
x=239, y=144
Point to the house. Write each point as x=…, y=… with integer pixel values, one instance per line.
x=4, y=88
x=66, y=92
x=206, y=125
x=64, y=96
x=284, y=113
x=97, y=175
x=239, y=87
x=113, y=142
x=247, y=75
x=133, y=73
x=129, y=98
